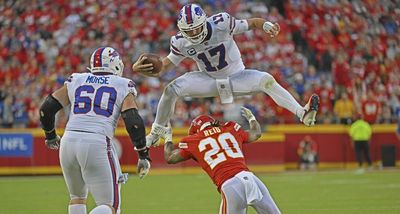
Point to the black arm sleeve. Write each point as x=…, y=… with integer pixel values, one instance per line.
x=135, y=127
x=47, y=114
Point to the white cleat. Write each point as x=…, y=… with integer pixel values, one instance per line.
x=153, y=139
x=311, y=109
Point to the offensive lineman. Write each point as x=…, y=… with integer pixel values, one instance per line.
x=217, y=149
x=88, y=159
x=209, y=41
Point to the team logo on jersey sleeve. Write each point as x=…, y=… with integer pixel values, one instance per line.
x=191, y=51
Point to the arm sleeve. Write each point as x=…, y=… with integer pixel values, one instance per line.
x=47, y=114
x=175, y=54
x=135, y=127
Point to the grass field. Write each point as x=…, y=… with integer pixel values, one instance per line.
x=294, y=192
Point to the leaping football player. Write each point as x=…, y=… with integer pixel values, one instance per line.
x=209, y=41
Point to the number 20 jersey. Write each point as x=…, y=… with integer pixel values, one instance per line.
x=217, y=150
x=96, y=102
x=218, y=54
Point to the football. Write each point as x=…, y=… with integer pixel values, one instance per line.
x=155, y=60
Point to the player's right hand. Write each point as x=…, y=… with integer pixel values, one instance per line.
x=247, y=114
x=53, y=143
x=143, y=167
x=145, y=69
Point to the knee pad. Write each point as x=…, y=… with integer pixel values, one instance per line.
x=267, y=81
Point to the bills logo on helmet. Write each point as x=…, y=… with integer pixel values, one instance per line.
x=112, y=55
x=180, y=15
x=198, y=11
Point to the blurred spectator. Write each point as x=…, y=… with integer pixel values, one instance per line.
x=344, y=109
x=360, y=133
x=308, y=153
x=7, y=116
x=371, y=108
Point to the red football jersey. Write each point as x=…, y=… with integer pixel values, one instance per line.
x=218, y=150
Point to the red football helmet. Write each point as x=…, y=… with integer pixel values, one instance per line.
x=199, y=123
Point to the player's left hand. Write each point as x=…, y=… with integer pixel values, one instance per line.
x=271, y=28
x=53, y=143
x=143, y=167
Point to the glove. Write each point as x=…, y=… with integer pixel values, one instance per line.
x=143, y=167
x=247, y=114
x=52, y=140
x=271, y=28
x=145, y=69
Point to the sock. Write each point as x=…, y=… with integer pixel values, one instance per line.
x=77, y=209
x=102, y=209
x=284, y=99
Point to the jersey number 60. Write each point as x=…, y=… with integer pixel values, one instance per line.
x=83, y=104
x=215, y=156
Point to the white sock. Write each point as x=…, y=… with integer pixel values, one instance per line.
x=284, y=99
x=102, y=209
x=77, y=209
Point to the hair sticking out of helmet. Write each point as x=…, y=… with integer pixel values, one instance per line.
x=192, y=23
x=200, y=123
x=106, y=60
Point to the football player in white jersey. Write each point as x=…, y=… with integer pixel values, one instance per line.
x=209, y=41
x=87, y=157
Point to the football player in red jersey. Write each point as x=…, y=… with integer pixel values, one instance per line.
x=217, y=148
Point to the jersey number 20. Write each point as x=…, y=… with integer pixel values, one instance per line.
x=215, y=155
x=83, y=104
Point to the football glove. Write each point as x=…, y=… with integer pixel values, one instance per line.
x=246, y=113
x=167, y=135
x=271, y=28
x=143, y=167
x=53, y=143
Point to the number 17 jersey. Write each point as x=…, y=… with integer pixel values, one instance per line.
x=218, y=150
x=96, y=102
x=218, y=54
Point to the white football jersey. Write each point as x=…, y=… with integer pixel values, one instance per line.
x=218, y=54
x=96, y=101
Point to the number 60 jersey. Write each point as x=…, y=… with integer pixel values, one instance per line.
x=96, y=102
x=218, y=54
x=218, y=150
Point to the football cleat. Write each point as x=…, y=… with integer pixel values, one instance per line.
x=310, y=110
x=153, y=139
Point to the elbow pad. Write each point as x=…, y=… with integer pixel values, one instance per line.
x=135, y=127
x=47, y=115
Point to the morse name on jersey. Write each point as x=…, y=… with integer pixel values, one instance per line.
x=98, y=80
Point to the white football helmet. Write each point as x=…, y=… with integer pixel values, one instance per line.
x=106, y=59
x=192, y=23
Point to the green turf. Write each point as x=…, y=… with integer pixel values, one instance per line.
x=311, y=192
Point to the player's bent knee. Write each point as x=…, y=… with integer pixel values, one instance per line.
x=77, y=201
x=103, y=209
x=267, y=81
x=170, y=90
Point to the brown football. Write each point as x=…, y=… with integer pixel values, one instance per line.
x=155, y=60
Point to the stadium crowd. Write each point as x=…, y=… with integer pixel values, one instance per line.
x=348, y=52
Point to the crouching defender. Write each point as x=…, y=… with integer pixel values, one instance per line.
x=88, y=159
x=218, y=150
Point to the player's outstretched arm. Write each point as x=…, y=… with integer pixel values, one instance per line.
x=255, y=129
x=52, y=104
x=258, y=23
x=135, y=127
x=171, y=155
